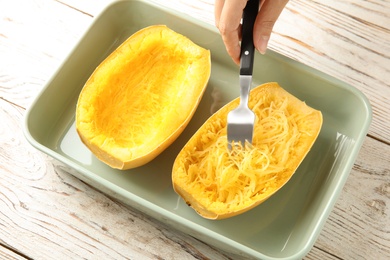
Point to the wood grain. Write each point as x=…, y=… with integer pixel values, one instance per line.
x=41, y=202
x=34, y=41
x=360, y=222
x=6, y=253
x=335, y=37
x=45, y=212
x=339, y=38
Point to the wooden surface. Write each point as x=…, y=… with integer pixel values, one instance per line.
x=47, y=213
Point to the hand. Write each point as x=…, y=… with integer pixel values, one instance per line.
x=228, y=14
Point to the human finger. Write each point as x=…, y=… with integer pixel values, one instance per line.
x=218, y=5
x=269, y=13
x=228, y=16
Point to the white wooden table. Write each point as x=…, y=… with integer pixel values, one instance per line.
x=46, y=213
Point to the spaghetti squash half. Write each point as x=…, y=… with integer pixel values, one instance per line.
x=142, y=96
x=219, y=183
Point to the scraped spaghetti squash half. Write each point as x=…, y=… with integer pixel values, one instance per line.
x=219, y=183
x=142, y=96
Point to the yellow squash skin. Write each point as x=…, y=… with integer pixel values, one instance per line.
x=219, y=183
x=142, y=96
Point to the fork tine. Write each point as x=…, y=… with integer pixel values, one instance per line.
x=241, y=120
x=239, y=132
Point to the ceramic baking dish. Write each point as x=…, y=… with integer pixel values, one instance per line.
x=285, y=226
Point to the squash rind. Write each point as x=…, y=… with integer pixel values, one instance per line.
x=142, y=96
x=197, y=194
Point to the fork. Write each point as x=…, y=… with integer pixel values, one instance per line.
x=241, y=120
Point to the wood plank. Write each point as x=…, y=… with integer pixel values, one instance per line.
x=338, y=38
x=6, y=253
x=359, y=225
x=319, y=254
x=34, y=40
x=325, y=35
x=199, y=9
x=46, y=212
x=335, y=37
x=41, y=202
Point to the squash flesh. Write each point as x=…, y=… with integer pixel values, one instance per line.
x=142, y=96
x=219, y=183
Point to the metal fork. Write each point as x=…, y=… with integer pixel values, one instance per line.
x=241, y=120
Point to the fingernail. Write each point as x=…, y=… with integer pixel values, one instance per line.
x=262, y=44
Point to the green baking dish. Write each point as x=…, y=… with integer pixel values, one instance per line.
x=285, y=226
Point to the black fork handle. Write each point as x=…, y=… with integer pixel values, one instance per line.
x=247, y=46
